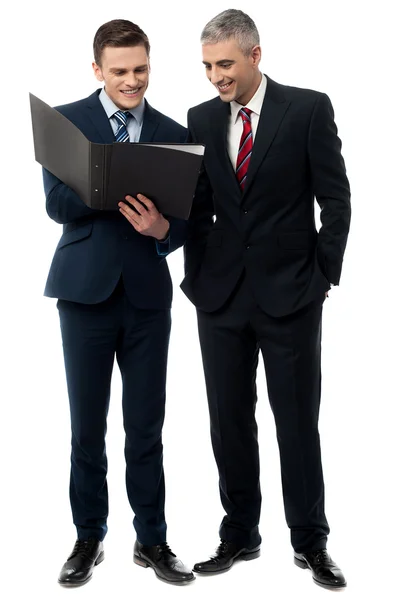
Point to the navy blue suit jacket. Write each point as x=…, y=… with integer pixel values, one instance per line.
x=97, y=247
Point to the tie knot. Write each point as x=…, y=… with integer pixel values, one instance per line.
x=246, y=114
x=122, y=116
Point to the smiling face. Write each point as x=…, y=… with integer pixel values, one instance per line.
x=125, y=72
x=235, y=76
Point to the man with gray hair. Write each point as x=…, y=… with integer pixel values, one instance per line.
x=258, y=275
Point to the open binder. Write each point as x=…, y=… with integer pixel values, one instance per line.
x=103, y=174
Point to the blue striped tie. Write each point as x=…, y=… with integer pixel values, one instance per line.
x=121, y=134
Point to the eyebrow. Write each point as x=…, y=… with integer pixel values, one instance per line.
x=114, y=69
x=220, y=62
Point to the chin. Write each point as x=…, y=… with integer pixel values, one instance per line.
x=135, y=101
x=228, y=97
x=130, y=103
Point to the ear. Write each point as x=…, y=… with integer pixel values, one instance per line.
x=256, y=55
x=97, y=71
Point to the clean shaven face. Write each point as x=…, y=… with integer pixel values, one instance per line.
x=235, y=76
x=125, y=72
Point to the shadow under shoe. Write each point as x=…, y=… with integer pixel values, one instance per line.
x=324, y=570
x=79, y=566
x=166, y=565
x=225, y=556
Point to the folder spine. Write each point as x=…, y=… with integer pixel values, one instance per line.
x=97, y=176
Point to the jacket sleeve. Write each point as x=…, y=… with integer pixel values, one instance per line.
x=200, y=221
x=176, y=238
x=63, y=205
x=331, y=188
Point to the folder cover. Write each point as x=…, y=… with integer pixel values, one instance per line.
x=103, y=174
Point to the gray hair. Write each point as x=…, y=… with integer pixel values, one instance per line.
x=232, y=24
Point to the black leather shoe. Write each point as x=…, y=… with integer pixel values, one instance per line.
x=324, y=570
x=166, y=565
x=225, y=556
x=78, y=569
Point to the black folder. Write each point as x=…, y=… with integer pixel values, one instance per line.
x=103, y=174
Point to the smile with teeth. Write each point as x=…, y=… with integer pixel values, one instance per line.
x=130, y=92
x=225, y=86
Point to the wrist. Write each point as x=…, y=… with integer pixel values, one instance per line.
x=164, y=233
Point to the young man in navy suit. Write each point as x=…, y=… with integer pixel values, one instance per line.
x=114, y=293
x=258, y=276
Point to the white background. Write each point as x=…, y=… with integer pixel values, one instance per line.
x=343, y=48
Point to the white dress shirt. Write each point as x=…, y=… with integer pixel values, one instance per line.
x=235, y=126
x=134, y=125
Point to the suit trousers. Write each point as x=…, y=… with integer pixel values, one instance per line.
x=92, y=335
x=230, y=339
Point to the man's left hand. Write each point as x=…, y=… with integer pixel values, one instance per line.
x=147, y=220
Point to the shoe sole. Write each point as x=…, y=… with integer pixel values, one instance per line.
x=68, y=584
x=304, y=565
x=141, y=562
x=250, y=555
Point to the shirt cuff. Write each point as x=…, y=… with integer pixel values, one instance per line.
x=163, y=247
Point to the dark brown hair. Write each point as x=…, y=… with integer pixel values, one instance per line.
x=118, y=34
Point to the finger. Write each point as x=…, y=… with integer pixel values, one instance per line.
x=130, y=215
x=129, y=210
x=132, y=222
x=137, y=205
x=149, y=203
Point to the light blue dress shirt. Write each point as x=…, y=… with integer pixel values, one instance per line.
x=134, y=125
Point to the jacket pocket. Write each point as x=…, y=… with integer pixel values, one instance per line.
x=75, y=235
x=296, y=240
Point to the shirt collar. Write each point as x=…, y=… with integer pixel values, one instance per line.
x=255, y=104
x=111, y=108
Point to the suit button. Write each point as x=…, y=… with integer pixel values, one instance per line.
x=125, y=237
x=248, y=247
x=245, y=212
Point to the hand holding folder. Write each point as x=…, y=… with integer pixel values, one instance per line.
x=103, y=174
x=143, y=215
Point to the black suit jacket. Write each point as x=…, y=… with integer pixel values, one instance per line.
x=97, y=247
x=269, y=230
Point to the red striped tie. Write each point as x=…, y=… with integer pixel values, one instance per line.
x=245, y=151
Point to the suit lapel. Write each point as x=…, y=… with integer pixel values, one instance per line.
x=99, y=118
x=219, y=128
x=273, y=110
x=150, y=124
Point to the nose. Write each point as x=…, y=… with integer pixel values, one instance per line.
x=215, y=76
x=131, y=79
